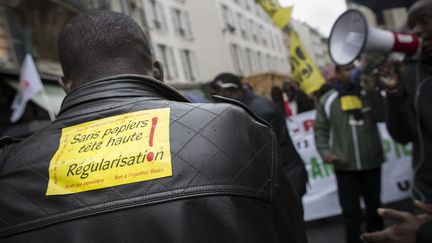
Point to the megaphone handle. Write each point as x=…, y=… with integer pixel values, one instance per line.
x=386, y=79
x=392, y=82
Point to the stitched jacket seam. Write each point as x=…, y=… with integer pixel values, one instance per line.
x=130, y=203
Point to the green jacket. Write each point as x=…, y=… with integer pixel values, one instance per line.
x=358, y=147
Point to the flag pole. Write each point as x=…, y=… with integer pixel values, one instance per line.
x=45, y=98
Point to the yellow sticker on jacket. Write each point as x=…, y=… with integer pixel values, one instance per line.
x=351, y=102
x=112, y=151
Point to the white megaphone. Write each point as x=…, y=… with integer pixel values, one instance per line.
x=351, y=36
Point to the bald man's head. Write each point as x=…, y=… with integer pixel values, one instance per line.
x=420, y=12
x=420, y=22
x=98, y=44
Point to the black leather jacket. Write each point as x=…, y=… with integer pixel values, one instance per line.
x=292, y=164
x=410, y=120
x=225, y=187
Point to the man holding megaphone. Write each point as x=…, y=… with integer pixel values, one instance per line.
x=409, y=91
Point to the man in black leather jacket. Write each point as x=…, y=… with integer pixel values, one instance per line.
x=215, y=179
x=409, y=98
x=229, y=85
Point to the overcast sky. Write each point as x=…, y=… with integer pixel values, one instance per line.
x=320, y=14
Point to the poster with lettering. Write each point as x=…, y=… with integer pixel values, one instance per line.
x=304, y=71
x=321, y=199
x=112, y=151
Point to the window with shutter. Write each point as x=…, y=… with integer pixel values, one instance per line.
x=229, y=20
x=195, y=66
x=155, y=16
x=182, y=23
x=166, y=56
x=149, y=13
x=190, y=65
x=263, y=37
x=260, y=62
x=249, y=60
x=265, y=63
x=272, y=42
x=255, y=62
x=253, y=30
x=236, y=58
x=186, y=69
x=188, y=25
x=173, y=63
x=160, y=20
x=269, y=62
x=176, y=21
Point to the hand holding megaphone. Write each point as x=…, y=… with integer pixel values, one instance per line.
x=389, y=75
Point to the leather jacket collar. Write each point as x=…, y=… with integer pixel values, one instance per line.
x=127, y=85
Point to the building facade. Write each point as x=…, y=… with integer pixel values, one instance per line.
x=198, y=39
x=394, y=19
x=195, y=40
x=247, y=36
x=33, y=27
x=173, y=38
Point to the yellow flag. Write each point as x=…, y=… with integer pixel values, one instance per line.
x=281, y=16
x=269, y=5
x=304, y=71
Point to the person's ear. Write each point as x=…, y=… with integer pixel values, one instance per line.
x=158, y=72
x=66, y=84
